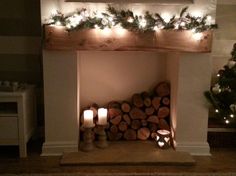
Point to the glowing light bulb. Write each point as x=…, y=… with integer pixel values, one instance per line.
x=68, y=26
x=218, y=75
x=143, y=23
x=227, y=121
x=157, y=29
x=182, y=24
x=166, y=17
x=231, y=115
x=110, y=19
x=217, y=110
x=58, y=23
x=120, y=31
x=130, y=20
x=197, y=36
x=106, y=31
x=177, y=26
x=209, y=18
x=96, y=26
x=193, y=30
x=224, y=118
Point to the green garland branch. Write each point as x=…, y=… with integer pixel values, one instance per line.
x=128, y=20
x=222, y=95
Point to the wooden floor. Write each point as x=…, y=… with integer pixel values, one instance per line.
x=222, y=160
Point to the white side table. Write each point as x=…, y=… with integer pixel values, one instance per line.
x=18, y=125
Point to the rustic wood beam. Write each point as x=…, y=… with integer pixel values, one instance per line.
x=57, y=38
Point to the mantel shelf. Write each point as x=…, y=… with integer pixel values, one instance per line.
x=57, y=38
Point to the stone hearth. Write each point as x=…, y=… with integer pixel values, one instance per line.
x=132, y=153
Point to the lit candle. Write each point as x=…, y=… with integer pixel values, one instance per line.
x=102, y=116
x=88, y=118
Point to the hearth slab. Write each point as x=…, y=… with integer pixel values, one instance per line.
x=128, y=153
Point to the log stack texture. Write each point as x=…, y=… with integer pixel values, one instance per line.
x=139, y=118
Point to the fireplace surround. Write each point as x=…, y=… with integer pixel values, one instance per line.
x=73, y=79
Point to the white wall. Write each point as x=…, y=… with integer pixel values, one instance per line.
x=107, y=76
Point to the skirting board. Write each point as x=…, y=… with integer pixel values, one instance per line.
x=59, y=147
x=196, y=149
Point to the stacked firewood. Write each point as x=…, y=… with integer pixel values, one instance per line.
x=139, y=118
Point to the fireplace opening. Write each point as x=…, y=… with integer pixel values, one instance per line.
x=130, y=86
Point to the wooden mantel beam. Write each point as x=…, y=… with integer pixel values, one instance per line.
x=57, y=38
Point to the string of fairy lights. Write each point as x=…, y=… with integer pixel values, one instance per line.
x=127, y=19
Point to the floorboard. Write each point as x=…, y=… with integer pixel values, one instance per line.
x=223, y=160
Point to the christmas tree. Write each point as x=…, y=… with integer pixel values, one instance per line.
x=223, y=94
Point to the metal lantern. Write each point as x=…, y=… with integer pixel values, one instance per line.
x=163, y=139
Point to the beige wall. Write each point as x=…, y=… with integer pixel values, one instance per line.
x=107, y=76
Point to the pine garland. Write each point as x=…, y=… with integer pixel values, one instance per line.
x=223, y=94
x=128, y=20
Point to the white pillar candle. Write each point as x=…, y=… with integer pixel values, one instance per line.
x=102, y=116
x=88, y=118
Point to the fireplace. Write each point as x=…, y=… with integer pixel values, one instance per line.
x=74, y=78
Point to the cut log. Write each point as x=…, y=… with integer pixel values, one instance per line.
x=165, y=101
x=127, y=119
x=113, y=112
x=153, y=127
x=149, y=111
x=114, y=136
x=136, y=124
x=156, y=102
x=130, y=135
x=144, y=123
x=164, y=125
x=123, y=126
x=125, y=107
x=116, y=120
x=146, y=99
x=113, y=104
x=143, y=133
x=113, y=129
x=137, y=113
x=137, y=100
x=163, y=89
x=163, y=112
x=153, y=119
